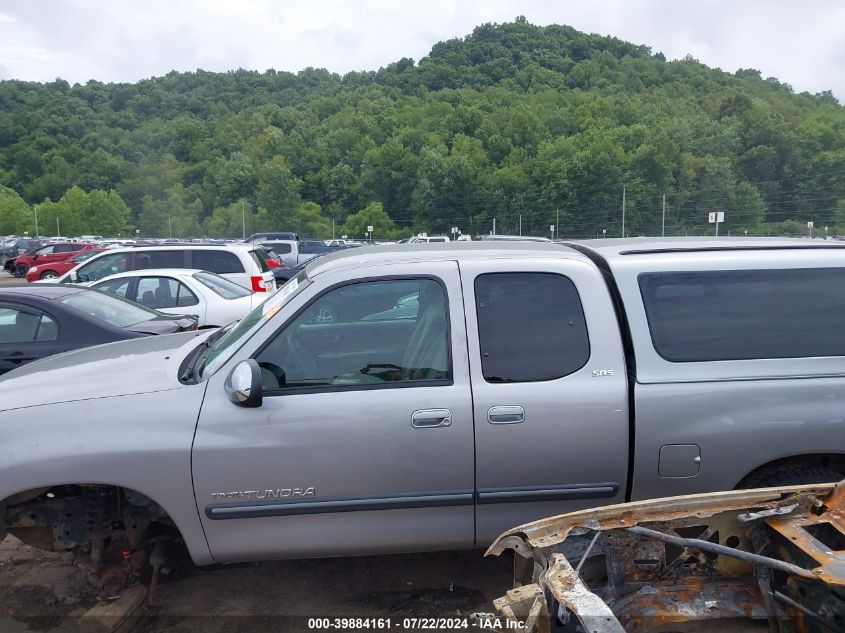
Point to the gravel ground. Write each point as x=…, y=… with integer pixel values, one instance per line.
x=43, y=591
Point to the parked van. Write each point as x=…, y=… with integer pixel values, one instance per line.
x=242, y=263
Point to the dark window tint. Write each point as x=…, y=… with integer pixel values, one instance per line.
x=220, y=262
x=745, y=314
x=68, y=248
x=260, y=260
x=159, y=259
x=531, y=327
x=278, y=247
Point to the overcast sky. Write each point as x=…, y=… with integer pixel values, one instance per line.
x=800, y=43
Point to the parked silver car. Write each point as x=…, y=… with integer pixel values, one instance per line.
x=517, y=380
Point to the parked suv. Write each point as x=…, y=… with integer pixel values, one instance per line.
x=14, y=247
x=241, y=263
x=49, y=254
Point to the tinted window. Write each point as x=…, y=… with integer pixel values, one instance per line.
x=333, y=344
x=164, y=292
x=531, y=327
x=220, y=262
x=159, y=259
x=278, y=247
x=17, y=326
x=68, y=248
x=47, y=250
x=745, y=314
x=260, y=260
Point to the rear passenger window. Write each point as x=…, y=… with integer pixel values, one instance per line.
x=531, y=327
x=164, y=292
x=17, y=326
x=745, y=314
x=159, y=259
x=220, y=262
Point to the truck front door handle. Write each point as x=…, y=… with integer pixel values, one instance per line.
x=506, y=415
x=431, y=418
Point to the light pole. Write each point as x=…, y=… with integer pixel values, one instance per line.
x=35, y=208
x=623, y=210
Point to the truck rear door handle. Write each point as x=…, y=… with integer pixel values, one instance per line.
x=506, y=415
x=431, y=418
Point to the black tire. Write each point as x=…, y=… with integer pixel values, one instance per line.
x=20, y=270
x=790, y=475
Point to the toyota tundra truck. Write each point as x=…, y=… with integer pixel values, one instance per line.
x=425, y=397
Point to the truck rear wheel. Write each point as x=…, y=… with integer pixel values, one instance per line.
x=790, y=475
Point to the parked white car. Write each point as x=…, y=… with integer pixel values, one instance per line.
x=215, y=300
x=244, y=264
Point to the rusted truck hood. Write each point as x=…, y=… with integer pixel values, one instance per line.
x=775, y=554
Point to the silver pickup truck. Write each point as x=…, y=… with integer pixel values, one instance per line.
x=457, y=390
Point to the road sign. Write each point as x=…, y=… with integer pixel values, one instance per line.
x=716, y=216
x=370, y=229
x=809, y=225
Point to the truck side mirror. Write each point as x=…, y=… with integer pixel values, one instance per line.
x=243, y=386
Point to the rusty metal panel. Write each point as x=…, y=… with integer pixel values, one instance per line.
x=775, y=554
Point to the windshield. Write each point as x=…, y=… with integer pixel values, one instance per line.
x=113, y=310
x=222, y=286
x=237, y=336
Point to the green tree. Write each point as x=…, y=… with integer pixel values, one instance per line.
x=371, y=215
x=278, y=191
x=15, y=217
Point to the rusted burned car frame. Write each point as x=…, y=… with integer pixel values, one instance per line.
x=775, y=554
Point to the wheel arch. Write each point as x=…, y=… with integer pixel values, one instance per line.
x=199, y=551
x=832, y=461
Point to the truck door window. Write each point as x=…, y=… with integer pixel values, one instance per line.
x=531, y=327
x=371, y=333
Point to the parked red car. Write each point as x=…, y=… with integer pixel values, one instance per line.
x=51, y=270
x=51, y=253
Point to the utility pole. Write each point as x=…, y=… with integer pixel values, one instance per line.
x=332, y=228
x=243, y=220
x=663, y=226
x=520, y=224
x=494, y=226
x=557, y=223
x=35, y=208
x=623, y=210
x=58, y=229
x=170, y=227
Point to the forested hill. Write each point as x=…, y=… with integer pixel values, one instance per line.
x=512, y=120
